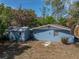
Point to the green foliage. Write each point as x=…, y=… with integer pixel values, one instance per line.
x=40, y=21
x=57, y=6
x=62, y=21
x=74, y=11
x=74, y=15
x=24, y=17
x=47, y=20
x=51, y=20
x=34, y=23
x=4, y=18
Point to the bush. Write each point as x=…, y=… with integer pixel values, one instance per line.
x=62, y=21
x=47, y=20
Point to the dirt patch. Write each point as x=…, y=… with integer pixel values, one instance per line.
x=53, y=51
x=37, y=50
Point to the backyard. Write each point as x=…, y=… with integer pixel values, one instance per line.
x=37, y=50
x=39, y=29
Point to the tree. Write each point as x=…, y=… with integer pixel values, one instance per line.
x=73, y=17
x=74, y=11
x=43, y=11
x=24, y=17
x=62, y=21
x=58, y=7
x=47, y=20
x=4, y=18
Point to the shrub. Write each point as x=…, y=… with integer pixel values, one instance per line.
x=62, y=21
x=46, y=20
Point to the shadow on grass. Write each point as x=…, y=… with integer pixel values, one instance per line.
x=9, y=52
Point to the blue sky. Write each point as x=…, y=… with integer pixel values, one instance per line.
x=28, y=4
